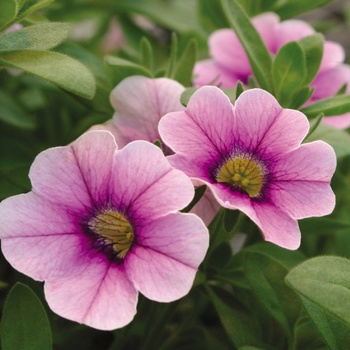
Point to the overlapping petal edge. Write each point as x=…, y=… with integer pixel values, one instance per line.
x=296, y=179
x=44, y=234
x=229, y=63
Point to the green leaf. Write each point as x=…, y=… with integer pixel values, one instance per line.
x=265, y=267
x=24, y=323
x=323, y=224
x=314, y=125
x=184, y=66
x=300, y=97
x=331, y=106
x=289, y=72
x=211, y=15
x=59, y=69
x=126, y=67
x=338, y=139
x=173, y=55
x=238, y=323
x=8, y=11
x=29, y=6
x=146, y=54
x=323, y=284
x=255, y=7
x=259, y=56
x=312, y=47
x=292, y=8
x=42, y=36
x=11, y=113
x=306, y=335
x=239, y=89
x=186, y=95
x=178, y=16
x=25, y=8
x=335, y=333
x=100, y=103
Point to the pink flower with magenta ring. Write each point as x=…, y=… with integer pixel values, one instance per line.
x=251, y=157
x=101, y=225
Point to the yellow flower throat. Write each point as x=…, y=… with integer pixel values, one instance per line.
x=115, y=230
x=243, y=173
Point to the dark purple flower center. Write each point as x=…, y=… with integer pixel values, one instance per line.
x=244, y=173
x=113, y=230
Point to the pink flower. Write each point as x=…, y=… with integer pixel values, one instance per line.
x=251, y=158
x=229, y=62
x=140, y=103
x=101, y=225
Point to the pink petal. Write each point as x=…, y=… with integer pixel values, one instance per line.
x=333, y=54
x=94, y=153
x=314, y=161
x=338, y=76
x=40, y=239
x=292, y=30
x=277, y=226
x=140, y=102
x=339, y=122
x=102, y=297
x=227, y=52
x=267, y=25
x=158, y=188
x=173, y=247
x=63, y=183
x=201, y=137
x=301, y=185
x=209, y=72
x=261, y=124
x=119, y=137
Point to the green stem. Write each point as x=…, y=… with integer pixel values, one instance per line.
x=238, y=225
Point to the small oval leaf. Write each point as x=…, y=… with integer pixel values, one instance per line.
x=24, y=323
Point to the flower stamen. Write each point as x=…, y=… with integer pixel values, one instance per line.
x=114, y=230
x=244, y=173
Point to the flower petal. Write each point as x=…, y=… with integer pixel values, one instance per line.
x=209, y=72
x=34, y=235
x=333, y=54
x=94, y=153
x=339, y=76
x=140, y=102
x=301, y=186
x=267, y=26
x=206, y=126
x=261, y=125
x=173, y=247
x=292, y=30
x=102, y=297
x=228, y=52
x=144, y=185
x=63, y=183
x=277, y=226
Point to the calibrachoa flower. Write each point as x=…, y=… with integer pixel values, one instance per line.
x=140, y=103
x=229, y=63
x=250, y=156
x=101, y=225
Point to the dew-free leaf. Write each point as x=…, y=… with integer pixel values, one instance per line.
x=24, y=322
x=43, y=36
x=62, y=70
